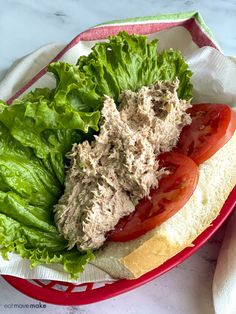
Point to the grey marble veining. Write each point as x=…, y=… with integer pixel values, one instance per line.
x=24, y=26
x=27, y=24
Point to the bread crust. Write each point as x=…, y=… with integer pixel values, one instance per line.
x=156, y=251
x=135, y=258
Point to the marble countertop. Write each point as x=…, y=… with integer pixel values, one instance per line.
x=27, y=25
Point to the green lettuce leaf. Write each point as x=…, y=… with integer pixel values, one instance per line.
x=40, y=247
x=124, y=62
x=75, y=88
x=28, y=191
x=37, y=122
x=25, y=174
x=36, y=133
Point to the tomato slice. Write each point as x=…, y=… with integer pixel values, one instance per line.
x=211, y=128
x=173, y=192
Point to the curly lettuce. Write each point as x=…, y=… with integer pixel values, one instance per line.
x=125, y=62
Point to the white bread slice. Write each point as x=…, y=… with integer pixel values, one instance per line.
x=134, y=258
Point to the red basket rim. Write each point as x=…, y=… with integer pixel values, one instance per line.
x=121, y=286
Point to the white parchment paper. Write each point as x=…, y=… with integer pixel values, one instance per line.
x=214, y=77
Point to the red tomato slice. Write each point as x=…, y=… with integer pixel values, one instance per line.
x=173, y=192
x=211, y=128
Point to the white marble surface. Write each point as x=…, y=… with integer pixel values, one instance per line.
x=24, y=26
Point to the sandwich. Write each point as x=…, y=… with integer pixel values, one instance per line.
x=114, y=166
x=150, y=182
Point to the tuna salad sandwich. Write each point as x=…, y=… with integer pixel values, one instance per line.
x=114, y=166
x=110, y=175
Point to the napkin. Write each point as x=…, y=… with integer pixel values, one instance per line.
x=213, y=80
x=224, y=283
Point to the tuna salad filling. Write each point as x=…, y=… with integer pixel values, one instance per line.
x=109, y=176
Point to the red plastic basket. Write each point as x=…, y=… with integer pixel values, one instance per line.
x=63, y=293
